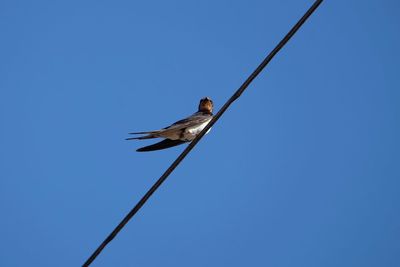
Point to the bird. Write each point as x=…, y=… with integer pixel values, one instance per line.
x=180, y=132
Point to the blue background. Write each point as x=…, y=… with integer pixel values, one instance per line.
x=303, y=170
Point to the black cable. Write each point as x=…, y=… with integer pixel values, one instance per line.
x=235, y=96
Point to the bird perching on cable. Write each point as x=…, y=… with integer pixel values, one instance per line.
x=180, y=132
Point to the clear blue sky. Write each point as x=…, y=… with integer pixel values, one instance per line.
x=303, y=170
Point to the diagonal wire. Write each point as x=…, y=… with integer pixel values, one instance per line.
x=235, y=96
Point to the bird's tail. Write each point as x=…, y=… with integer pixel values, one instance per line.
x=148, y=135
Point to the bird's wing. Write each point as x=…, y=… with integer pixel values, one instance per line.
x=166, y=143
x=193, y=120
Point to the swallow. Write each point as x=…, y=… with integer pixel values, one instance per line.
x=181, y=131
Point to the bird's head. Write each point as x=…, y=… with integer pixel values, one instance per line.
x=206, y=105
